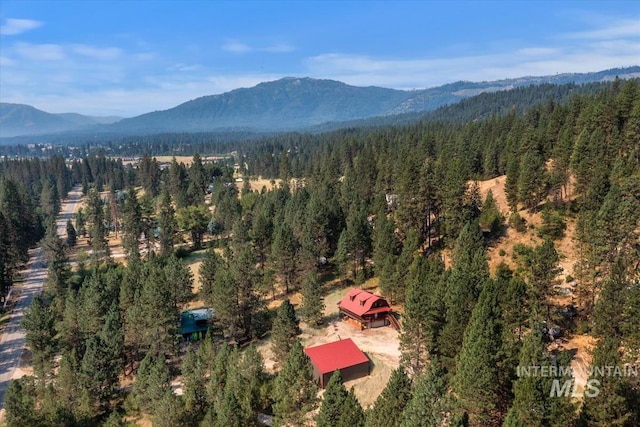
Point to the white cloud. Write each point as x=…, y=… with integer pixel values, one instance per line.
x=93, y=52
x=609, y=44
x=279, y=48
x=236, y=47
x=537, y=51
x=12, y=26
x=611, y=30
x=40, y=52
x=6, y=61
x=411, y=73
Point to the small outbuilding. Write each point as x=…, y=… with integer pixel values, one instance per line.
x=343, y=356
x=194, y=324
x=366, y=310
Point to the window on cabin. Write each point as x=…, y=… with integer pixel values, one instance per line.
x=201, y=322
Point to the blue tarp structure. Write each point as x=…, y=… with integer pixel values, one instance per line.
x=195, y=323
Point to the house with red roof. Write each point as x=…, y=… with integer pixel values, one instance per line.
x=343, y=356
x=367, y=310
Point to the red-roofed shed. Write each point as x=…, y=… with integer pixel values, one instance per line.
x=367, y=309
x=343, y=355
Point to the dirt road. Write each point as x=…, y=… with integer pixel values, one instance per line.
x=13, y=339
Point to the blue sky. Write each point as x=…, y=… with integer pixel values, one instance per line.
x=131, y=57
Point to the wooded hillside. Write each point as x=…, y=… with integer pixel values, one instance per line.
x=397, y=203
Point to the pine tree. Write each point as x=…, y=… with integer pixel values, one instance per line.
x=198, y=180
x=476, y=377
x=208, y=273
x=312, y=310
x=294, y=391
x=261, y=233
x=630, y=324
x=430, y=404
x=71, y=234
x=97, y=229
x=169, y=411
x=531, y=181
x=224, y=301
x=608, y=397
x=333, y=401
x=342, y=253
x=607, y=314
x=359, y=237
x=490, y=219
x=222, y=366
x=533, y=404
x=511, y=183
x=179, y=276
x=352, y=413
x=80, y=222
x=410, y=250
x=69, y=390
x=6, y=270
x=58, y=271
x=132, y=224
x=69, y=327
x=388, y=407
x=283, y=254
x=252, y=386
x=152, y=382
x=114, y=420
x=167, y=224
x=95, y=379
x=423, y=314
x=38, y=323
x=49, y=199
x=20, y=403
x=194, y=385
x=385, y=253
x=246, y=278
x=228, y=410
x=543, y=268
x=158, y=314
x=111, y=339
x=195, y=219
x=469, y=272
x=284, y=331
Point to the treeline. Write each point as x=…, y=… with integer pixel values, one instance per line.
x=479, y=107
x=30, y=194
x=31, y=191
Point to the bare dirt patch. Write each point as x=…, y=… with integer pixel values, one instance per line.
x=496, y=185
x=257, y=184
x=581, y=346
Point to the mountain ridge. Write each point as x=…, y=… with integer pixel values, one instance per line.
x=22, y=119
x=287, y=104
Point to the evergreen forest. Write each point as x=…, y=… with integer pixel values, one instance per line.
x=398, y=203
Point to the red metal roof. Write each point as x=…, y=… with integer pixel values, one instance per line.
x=336, y=355
x=360, y=302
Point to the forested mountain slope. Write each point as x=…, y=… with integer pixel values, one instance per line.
x=288, y=104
